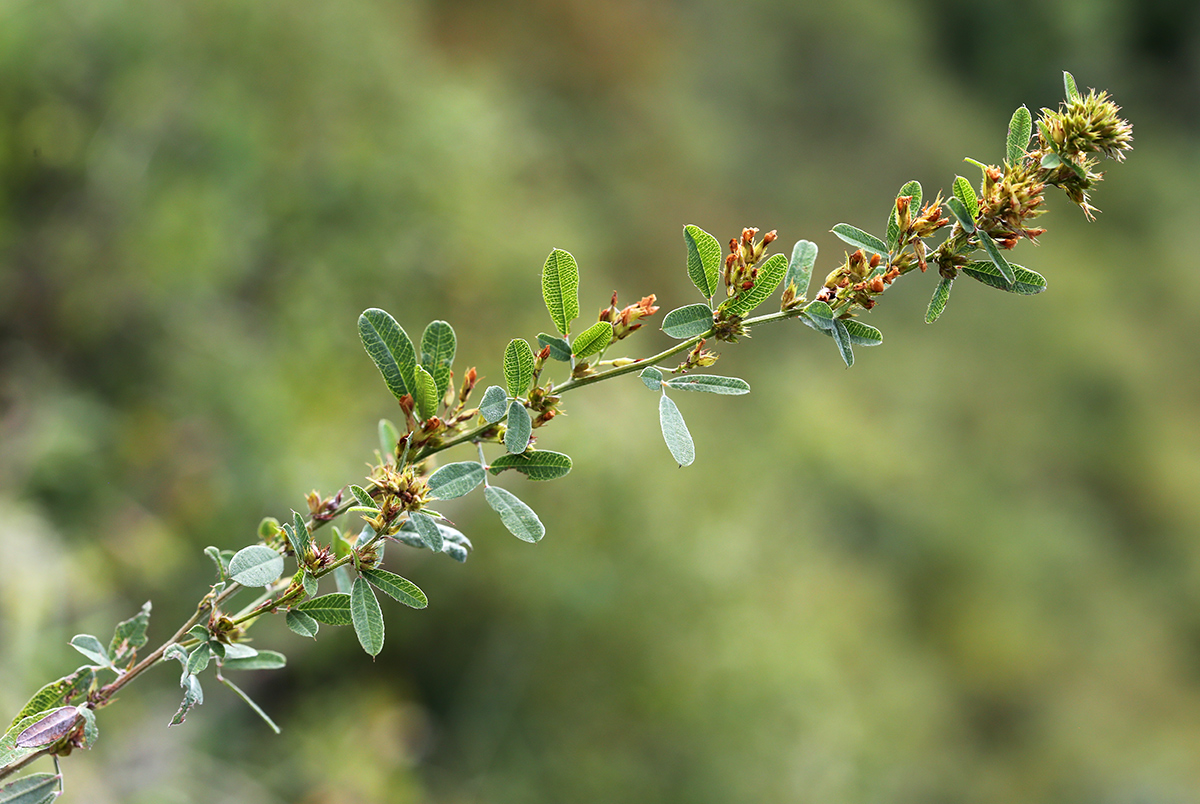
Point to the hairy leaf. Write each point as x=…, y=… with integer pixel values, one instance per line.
x=593, y=340
x=842, y=336
x=438, y=345
x=770, y=274
x=261, y=660
x=494, y=404
x=389, y=436
x=518, y=366
x=961, y=215
x=520, y=428
x=993, y=251
x=363, y=497
x=688, y=322
x=427, y=529
x=859, y=239
x=536, y=464
x=819, y=315
x=703, y=259
x=861, y=334
x=560, y=350
x=331, y=609
x=1020, y=129
x=456, y=479
x=911, y=189
x=130, y=635
x=256, y=565
x=937, y=305
x=388, y=345
x=518, y=517
x=800, y=266
x=675, y=432
x=425, y=394
x=652, y=378
x=301, y=623
x=397, y=588
x=367, y=617
x=1026, y=282
x=303, y=537
x=198, y=659
x=454, y=543
x=560, y=290
x=49, y=727
x=1069, y=85
x=92, y=648
x=709, y=383
x=965, y=193
x=36, y=788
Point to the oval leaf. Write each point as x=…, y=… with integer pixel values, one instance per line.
x=993, y=251
x=427, y=529
x=1020, y=129
x=388, y=345
x=331, y=609
x=862, y=334
x=820, y=314
x=518, y=517
x=842, y=336
x=560, y=350
x=256, y=565
x=800, y=266
x=560, y=289
x=703, y=259
x=494, y=404
x=198, y=658
x=860, y=239
x=389, y=436
x=965, y=193
x=535, y=464
x=261, y=660
x=362, y=496
x=425, y=394
x=688, y=322
x=770, y=274
x=366, y=616
x=437, y=353
x=92, y=648
x=709, y=383
x=1027, y=283
x=675, y=432
x=397, y=588
x=456, y=479
x=593, y=340
x=1069, y=85
x=302, y=624
x=652, y=378
x=454, y=543
x=961, y=215
x=518, y=366
x=520, y=428
x=36, y=788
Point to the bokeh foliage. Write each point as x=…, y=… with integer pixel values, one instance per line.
x=966, y=570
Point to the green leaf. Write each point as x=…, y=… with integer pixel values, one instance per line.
x=261, y=660
x=518, y=366
x=342, y=580
x=303, y=537
x=388, y=345
x=593, y=340
x=652, y=378
x=198, y=659
x=859, y=239
x=770, y=274
x=331, y=609
x=389, y=437
x=961, y=215
x=367, y=617
x=256, y=565
x=862, y=334
x=238, y=650
x=520, y=428
x=91, y=732
x=10, y=752
x=913, y=190
x=428, y=530
x=560, y=350
x=58, y=693
x=1020, y=129
x=193, y=696
x=363, y=497
x=437, y=354
x=937, y=305
x=92, y=648
x=215, y=554
x=560, y=290
x=425, y=394
x=36, y=788
x=536, y=464
x=993, y=251
x=1025, y=282
x=820, y=314
x=675, y=432
x=454, y=543
x=709, y=383
x=518, y=517
x=309, y=583
x=800, y=266
x=688, y=322
x=1051, y=160
x=965, y=193
x=130, y=635
x=397, y=588
x=302, y=624
x=257, y=709
x=703, y=259
x=494, y=404
x=842, y=336
x=1069, y=85
x=456, y=479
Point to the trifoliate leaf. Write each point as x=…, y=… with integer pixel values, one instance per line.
x=560, y=290
x=518, y=517
x=456, y=479
x=593, y=340
x=437, y=354
x=536, y=464
x=388, y=345
x=518, y=366
x=819, y=315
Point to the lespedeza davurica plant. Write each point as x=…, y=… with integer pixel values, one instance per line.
x=395, y=503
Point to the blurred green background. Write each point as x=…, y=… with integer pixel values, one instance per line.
x=967, y=570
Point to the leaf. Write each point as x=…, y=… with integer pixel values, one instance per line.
x=965, y=193
x=675, y=432
x=91, y=732
x=342, y=580
x=1025, y=282
x=652, y=378
x=389, y=437
x=257, y=709
x=703, y=259
x=193, y=696
x=1020, y=129
x=428, y=530
x=239, y=650
x=198, y=659
x=800, y=266
x=261, y=660
x=49, y=727
x=309, y=583
x=388, y=345
x=842, y=336
x=494, y=404
x=593, y=340
x=688, y=322
x=709, y=383
x=911, y=189
x=396, y=587
x=860, y=239
x=301, y=623
x=36, y=788
x=256, y=565
x=456, y=479
x=1051, y=160
x=58, y=693
x=363, y=497
x=330, y=609
x=937, y=305
x=518, y=366
x=425, y=394
x=560, y=350
x=560, y=289
x=518, y=517
x=820, y=314
x=215, y=554
x=9, y=751
x=454, y=543
x=303, y=537
x=862, y=334
x=516, y=436
x=437, y=354
x=770, y=274
x=130, y=635
x=961, y=215
x=1069, y=86
x=367, y=617
x=993, y=251
x=536, y=464
x=91, y=647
